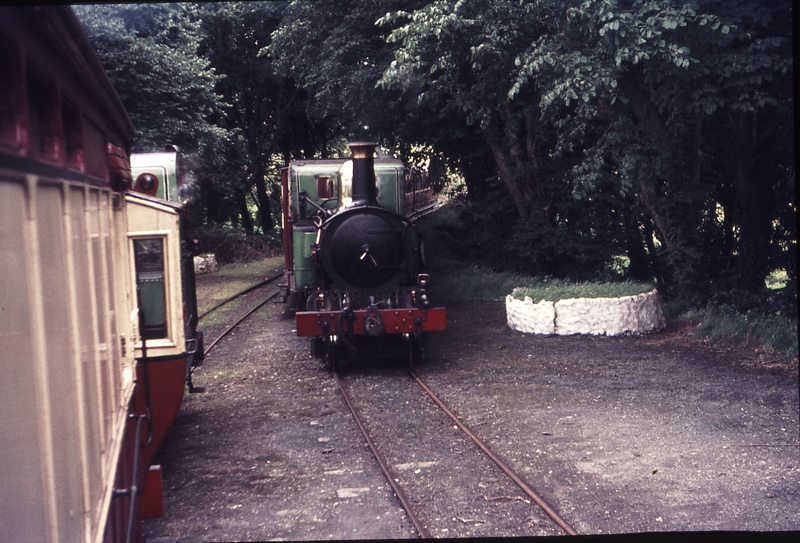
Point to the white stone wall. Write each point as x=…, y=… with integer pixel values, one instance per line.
x=205, y=263
x=526, y=316
x=595, y=316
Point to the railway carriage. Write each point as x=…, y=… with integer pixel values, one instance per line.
x=355, y=264
x=420, y=195
x=97, y=312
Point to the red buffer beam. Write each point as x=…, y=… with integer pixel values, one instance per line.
x=395, y=321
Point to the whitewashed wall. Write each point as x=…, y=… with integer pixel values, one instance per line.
x=595, y=316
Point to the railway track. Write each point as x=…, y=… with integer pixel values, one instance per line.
x=393, y=479
x=249, y=289
x=260, y=304
x=229, y=329
x=422, y=212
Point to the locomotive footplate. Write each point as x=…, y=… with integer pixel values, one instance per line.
x=395, y=321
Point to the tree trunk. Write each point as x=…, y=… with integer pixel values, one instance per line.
x=509, y=166
x=647, y=196
x=754, y=198
x=267, y=224
x=211, y=203
x=477, y=169
x=639, y=266
x=247, y=220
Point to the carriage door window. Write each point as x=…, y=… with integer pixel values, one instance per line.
x=150, y=283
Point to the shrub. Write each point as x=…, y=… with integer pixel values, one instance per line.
x=231, y=245
x=773, y=334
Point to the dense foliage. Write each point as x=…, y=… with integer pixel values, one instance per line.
x=647, y=139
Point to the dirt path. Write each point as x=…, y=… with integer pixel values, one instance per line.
x=620, y=435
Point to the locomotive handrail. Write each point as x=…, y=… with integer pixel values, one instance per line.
x=304, y=199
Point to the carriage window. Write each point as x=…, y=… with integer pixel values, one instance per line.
x=10, y=97
x=150, y=284
x=73, y=136
x=44, y=120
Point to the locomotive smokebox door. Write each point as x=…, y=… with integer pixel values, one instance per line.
x=364, y=249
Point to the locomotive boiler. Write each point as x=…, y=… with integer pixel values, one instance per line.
x=355, y=264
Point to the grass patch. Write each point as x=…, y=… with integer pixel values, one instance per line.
x=775, y=335
x=457, y=282
x=554, y=290
x=250, y=271
x=464, y=283
x=229, y=279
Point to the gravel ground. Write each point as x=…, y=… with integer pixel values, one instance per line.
x=619, y=435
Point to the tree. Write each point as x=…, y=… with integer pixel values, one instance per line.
x=336, y=53
x=150, y=52
x=463, y=53
x=657, y=98
x=267, y=109
x=666, y=83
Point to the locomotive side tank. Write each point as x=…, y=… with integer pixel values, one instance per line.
x=355, y=264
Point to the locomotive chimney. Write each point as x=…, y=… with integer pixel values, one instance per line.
x=363, y=172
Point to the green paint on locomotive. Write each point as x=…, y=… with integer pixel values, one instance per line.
x=389, y=179
x=304, y=274
x=319, y=179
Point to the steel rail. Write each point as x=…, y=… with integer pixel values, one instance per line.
x=421, y=530
x=245, y=291
x=235, y=324
x=525, y=488
x=422, y=212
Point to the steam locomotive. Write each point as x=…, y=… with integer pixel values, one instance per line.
x=97, y=304
x=355, y=265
